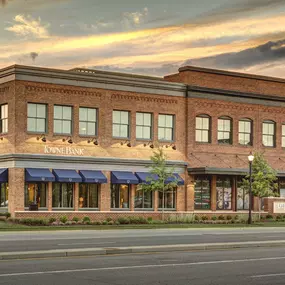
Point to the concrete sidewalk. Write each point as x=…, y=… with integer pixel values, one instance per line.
x=137, y=249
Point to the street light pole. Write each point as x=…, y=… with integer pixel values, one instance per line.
x=250, y=159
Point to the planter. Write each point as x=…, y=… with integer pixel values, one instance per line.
x=33, y=207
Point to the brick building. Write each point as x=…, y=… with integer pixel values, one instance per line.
x=78, y=142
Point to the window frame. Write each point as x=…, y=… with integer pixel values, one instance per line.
x=209, y=129
x=174, y=193
x=71, y=120
x=173, y=127
x=231, y=130
x=151, y=126
x=61, y=195
x=244, y=194
x=96, y=122
x=46, y=118
x=274, y=133
x=201, y=192
x=88, y=195
x=116, y=187
x=244, y=133
x=6, y=195
x=4, y=119
x=36, y=193
x=143, y=201
x=224, y=179
x=129, y=124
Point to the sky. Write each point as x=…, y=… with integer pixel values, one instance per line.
x=151, y=37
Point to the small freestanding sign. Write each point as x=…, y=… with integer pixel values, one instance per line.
x=278, y=207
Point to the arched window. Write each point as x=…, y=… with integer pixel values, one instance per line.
x=268, y=133
x=203, y=133
x=245, y=131
x=225, y=130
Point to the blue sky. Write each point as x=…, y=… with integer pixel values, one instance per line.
x=153, y=37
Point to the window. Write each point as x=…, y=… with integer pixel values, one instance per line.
x=282, y=188
x=62, y=120
x=120, y=196
x=36, y=193
x=202, y=193
x=283, y=135
x=225, y=130
x=88, y=195
x=62, y=195
x=37, y=118
x=121, y=125
x=242, y=197
x=143, y=126
x=4, y=119
x=169, y=199
x=268, y=133
x=203, y=129
x=3, y=195
x=87, y=121
x=143, y=199
x=224, y=193
x=166, y=127
x=245, y=132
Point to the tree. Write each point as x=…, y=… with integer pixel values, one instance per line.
x=159, y=174
x=263, y=179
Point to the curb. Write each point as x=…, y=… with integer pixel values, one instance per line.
x=136, y=249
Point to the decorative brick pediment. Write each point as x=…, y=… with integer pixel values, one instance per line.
x=135, y=97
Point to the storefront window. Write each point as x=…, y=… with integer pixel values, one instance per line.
x=169, y=199
x=282, y=188
x=224, y=193
x=36, y=193
x=4, y=195
x=88, y=195
x=62, y=195
x=242, y=197
x=143, y=199
x=202, y=198
x=120, y=196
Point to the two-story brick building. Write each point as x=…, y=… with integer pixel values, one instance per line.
x=80, y=141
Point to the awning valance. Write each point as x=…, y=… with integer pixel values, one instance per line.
x=144, y=176
x=38, y=175
x=3, y=175
x=123, y=177
x=92, y=176
x=63, y=175
x=175, y=177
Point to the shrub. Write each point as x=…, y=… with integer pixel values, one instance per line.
x=149, y=219
x=110, y=223
x=269, y=217
x=75, y=219
x=104, y=223
x=109, y=220
x=8, y=215
x=229, y=217
x=63, y=219
x=221, y=217
x=278, y=217
x=52, y=220
x=34, y=222
x=196, y=218
x=204, y=218
x=214, y=218
x=86, y=219
x=97, y=223
x=123, y=221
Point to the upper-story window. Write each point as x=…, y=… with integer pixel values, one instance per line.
x=203, y=129
x=268, y=133
x=245, y=132
x=283, y=135
x=165, y=127
x=121, y=124
x=225, y=130
x=37, y=118
x=4, y=118
x=143, y=126
x=87, y=121
x=62, y=120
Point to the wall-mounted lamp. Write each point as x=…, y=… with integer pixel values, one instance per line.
x=42, y=138
x=128, y=143
x=94, y=141
x=68, y=139
x=172, y=145
x=150, y=144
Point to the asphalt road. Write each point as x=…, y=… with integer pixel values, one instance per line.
x=28, y=241
x=230, y=267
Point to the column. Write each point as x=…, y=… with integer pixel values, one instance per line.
x=76, y=196
x=190, y=193
x=105, y=194
x=234, y=193
x=132, y=196
x=213, y=193
x=155, y=201
x=49, y=205
x=181, y=203
x=16, y=195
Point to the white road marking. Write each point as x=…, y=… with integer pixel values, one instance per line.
x=142, y=266
x=81, y=243
x=267, y=275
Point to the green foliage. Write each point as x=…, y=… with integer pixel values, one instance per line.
x=269, y=217
x=196, y=218
x=229, y=217
x=63, y=219
x=149, y=219
x=52, y=220
x=214, y=218
x=204, y=218
x=123, y=221
x=109, y=220
x=75, y=219
x=221, y=217
x=86, y=219
x=6, y=214
x=34, y=222
x=104, y=223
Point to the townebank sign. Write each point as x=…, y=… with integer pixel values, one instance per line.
x=63, y=150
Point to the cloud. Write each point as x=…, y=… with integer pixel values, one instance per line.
x=134, y=19
x=29, y=27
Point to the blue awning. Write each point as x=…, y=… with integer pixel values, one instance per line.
x=38, y=175
x=123, y=177
x=144, y=176
x=66, y=175
x=92, y=176
x=3, y=175
x=177, y=178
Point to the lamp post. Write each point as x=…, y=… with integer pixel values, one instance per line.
x=250, y=159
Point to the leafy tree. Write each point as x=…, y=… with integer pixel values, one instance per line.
x=263, y=179
x=159, y=174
